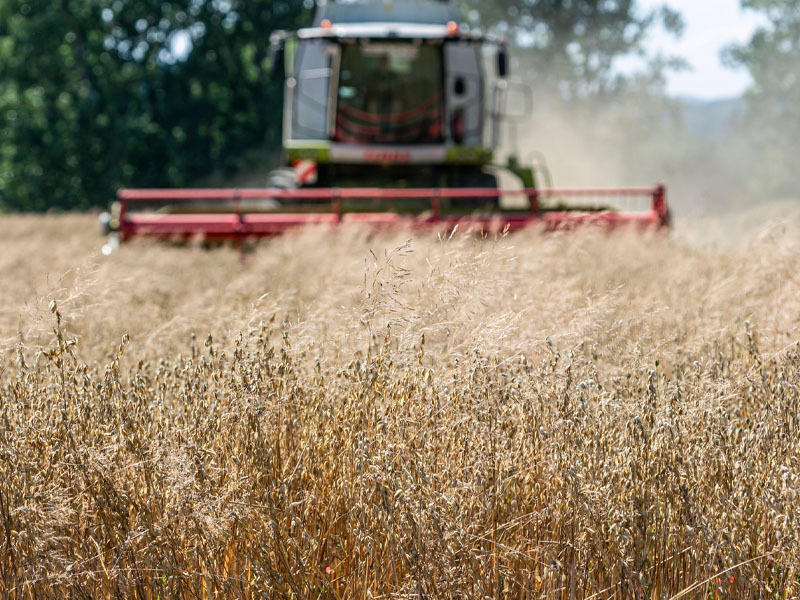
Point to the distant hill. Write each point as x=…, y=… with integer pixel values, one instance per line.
x=712, y=119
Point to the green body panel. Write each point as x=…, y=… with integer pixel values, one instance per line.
x=319, y=152
x=468, y=156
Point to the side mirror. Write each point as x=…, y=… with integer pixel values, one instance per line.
x=502, y=62
x=277, y=42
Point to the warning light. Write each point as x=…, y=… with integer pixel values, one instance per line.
x=453, y=28
x=326, y=24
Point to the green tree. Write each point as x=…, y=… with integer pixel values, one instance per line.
x=772, y=56
x=99, y=94
x=45, y=99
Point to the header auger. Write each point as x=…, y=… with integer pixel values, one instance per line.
x=392, y=116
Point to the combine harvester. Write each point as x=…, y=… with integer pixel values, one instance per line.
x=392, y=115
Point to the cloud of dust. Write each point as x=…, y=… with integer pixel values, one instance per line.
x=706, y=153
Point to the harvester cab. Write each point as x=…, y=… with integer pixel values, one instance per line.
x=391, y=94
x=392, y=116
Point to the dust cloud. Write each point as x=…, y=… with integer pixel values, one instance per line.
x=720, y=185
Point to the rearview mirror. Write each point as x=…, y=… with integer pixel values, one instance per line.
x=502, y=62
x=277, y=42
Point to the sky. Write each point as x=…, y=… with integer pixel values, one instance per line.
x=711, y=25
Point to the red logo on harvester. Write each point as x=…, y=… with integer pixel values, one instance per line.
x=387, y=156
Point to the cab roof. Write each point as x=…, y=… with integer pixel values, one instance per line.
x=420, y=12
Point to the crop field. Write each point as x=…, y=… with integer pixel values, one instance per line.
x=346, y=415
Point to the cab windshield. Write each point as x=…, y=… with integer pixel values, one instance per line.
x=390, y=93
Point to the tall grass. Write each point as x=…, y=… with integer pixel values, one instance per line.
x=347, y=416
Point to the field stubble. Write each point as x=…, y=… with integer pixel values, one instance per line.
x=346, y=416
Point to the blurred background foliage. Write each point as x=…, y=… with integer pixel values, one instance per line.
x=101, y=94
x=98, y=94
x=771, y=127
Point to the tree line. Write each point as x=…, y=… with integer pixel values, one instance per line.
x=771, y=126
x=101, y=94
